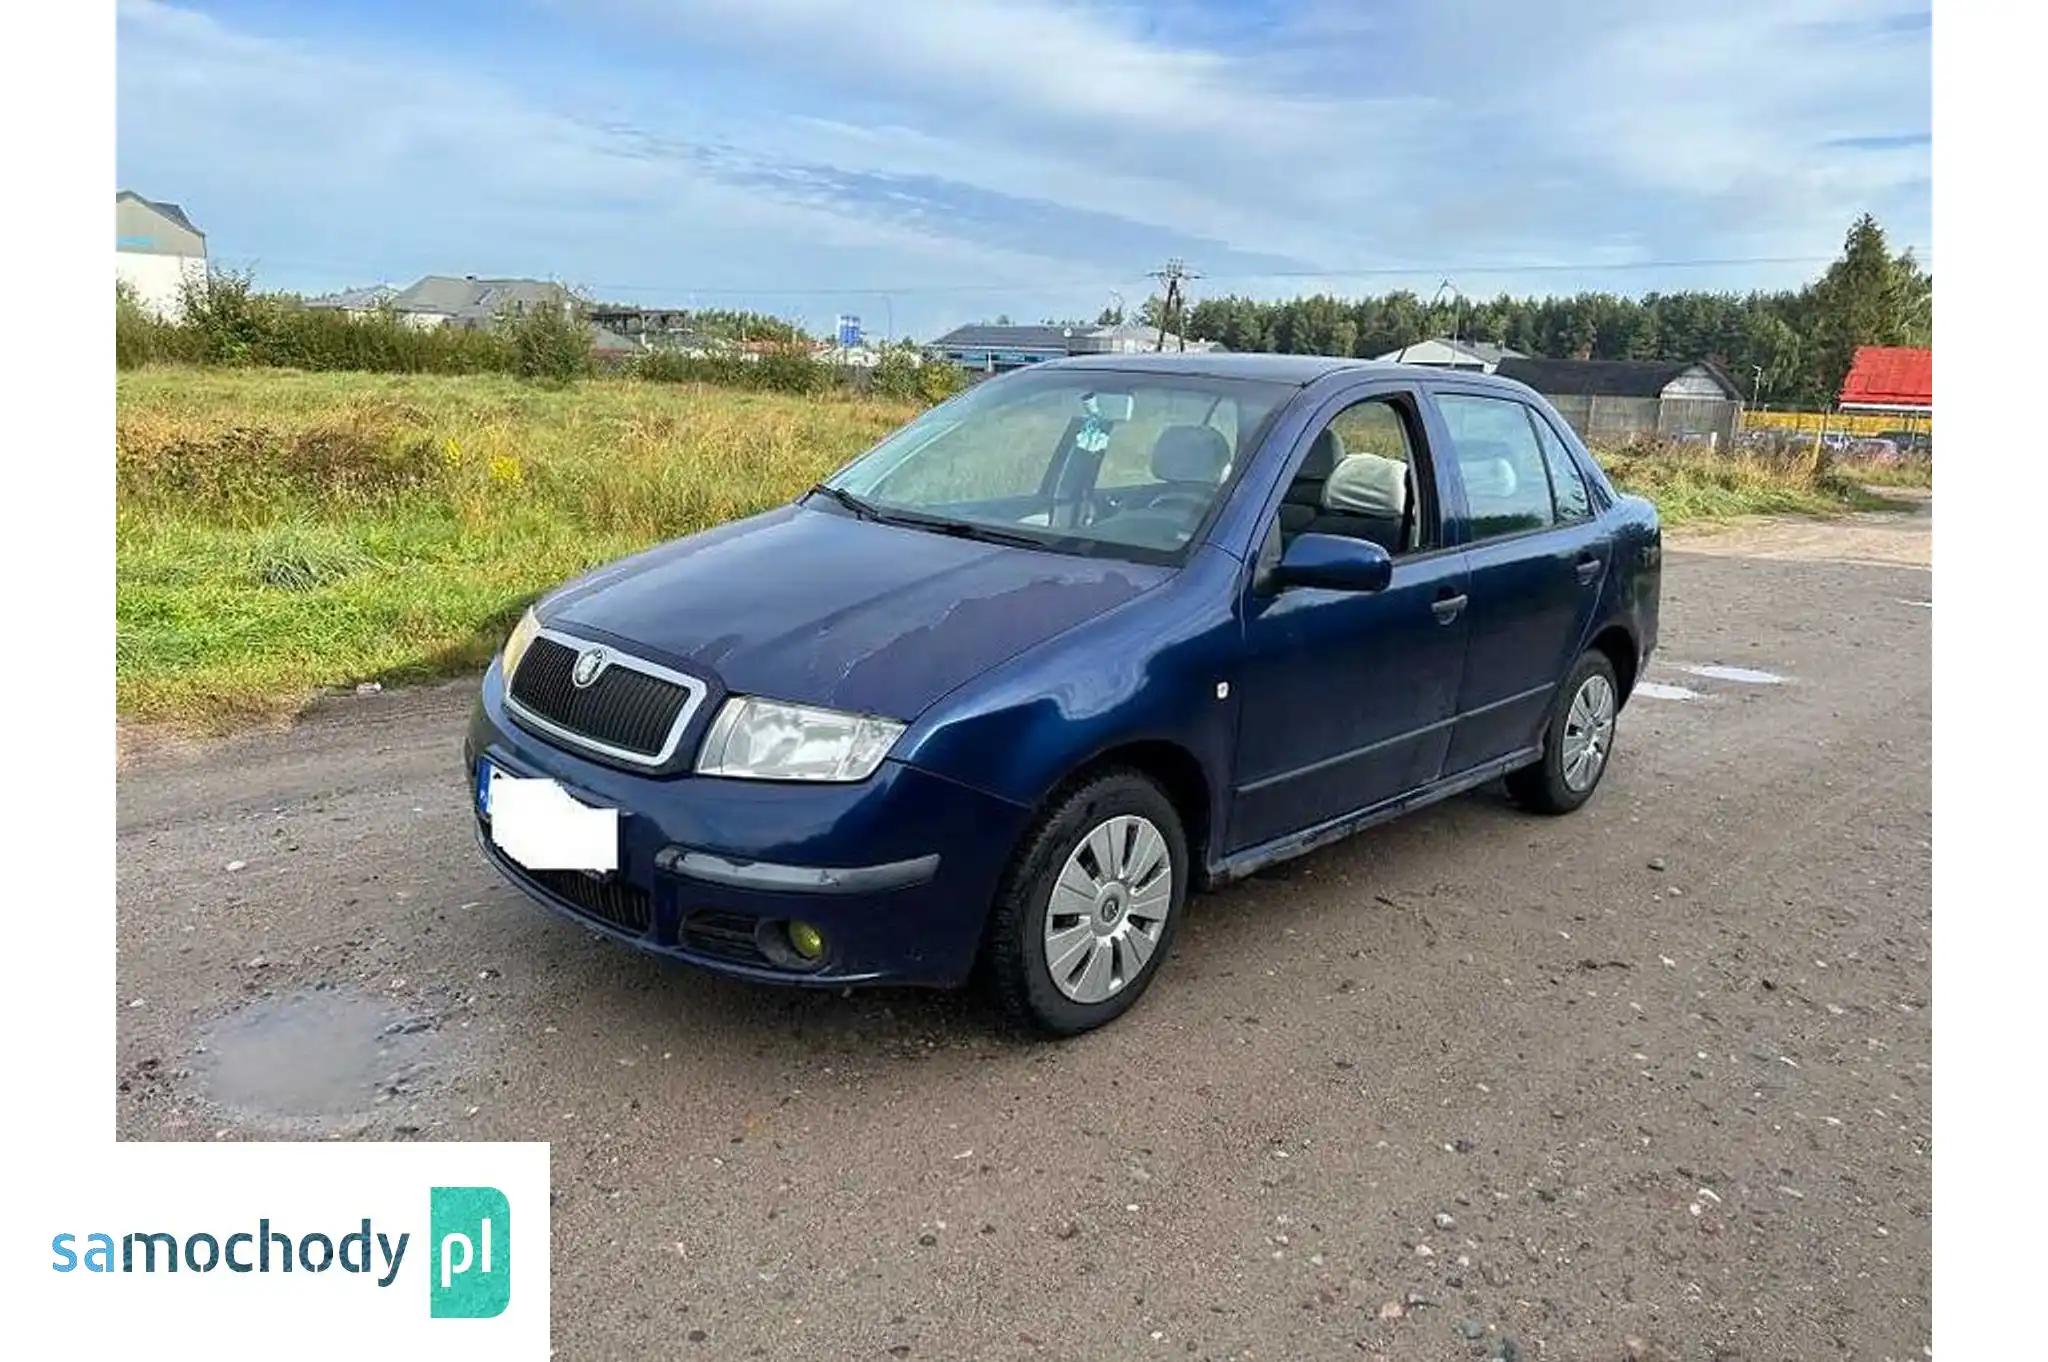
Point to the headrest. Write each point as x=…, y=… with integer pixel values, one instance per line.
x=1368, y=484
x=1190, y=454
x=1487, y=469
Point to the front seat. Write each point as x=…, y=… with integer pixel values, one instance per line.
x=1303, y=500
x=1191, y=456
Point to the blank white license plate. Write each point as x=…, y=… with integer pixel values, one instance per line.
x=543, y=827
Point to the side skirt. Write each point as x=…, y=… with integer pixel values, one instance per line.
x=1286, y=847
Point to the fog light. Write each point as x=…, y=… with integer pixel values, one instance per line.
x=806, y=940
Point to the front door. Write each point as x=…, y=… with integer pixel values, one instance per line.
x=1348, y=697
x=1538, y=559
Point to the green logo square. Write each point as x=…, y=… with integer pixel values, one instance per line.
x=471, y=1238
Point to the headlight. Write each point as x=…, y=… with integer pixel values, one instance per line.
x=767, y=740
x=523, y=634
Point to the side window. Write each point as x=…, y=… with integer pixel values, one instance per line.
x=1574, y=502
x=1506, y=485
x=1359, y=480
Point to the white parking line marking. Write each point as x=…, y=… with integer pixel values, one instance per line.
x=1715, y=671
x=1657, y=690
x=1924, y=605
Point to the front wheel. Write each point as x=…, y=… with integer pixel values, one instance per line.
x=1577, y=742
x=1088, y=909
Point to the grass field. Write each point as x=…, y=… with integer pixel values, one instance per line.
x=280, y=532
x=1692, y=485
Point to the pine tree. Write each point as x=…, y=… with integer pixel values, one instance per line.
x=1868, y=297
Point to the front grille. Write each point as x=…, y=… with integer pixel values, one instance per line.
x=624, y=708
x=729, y=936
x=613, y=901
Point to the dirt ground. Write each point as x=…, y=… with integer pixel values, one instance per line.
x=1652, y=1080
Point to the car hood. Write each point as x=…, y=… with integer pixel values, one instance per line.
x=818, y=607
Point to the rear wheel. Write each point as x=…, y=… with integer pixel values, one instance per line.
x=1577, y=743
x=1088, y=909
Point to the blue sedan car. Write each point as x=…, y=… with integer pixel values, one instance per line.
x=1003, y=690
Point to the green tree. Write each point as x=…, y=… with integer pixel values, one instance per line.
x=1868, y=297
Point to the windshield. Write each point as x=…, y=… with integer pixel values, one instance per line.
x=1116, y=462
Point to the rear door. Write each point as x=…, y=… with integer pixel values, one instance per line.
x=1347, y=697
x=1538, y=556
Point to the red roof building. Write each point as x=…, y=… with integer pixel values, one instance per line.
x=1889, y=378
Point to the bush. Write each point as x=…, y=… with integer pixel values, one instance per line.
x=790, y=370
x=141, y=337
x=548, y=344
x=226, y=322
x=327, y=339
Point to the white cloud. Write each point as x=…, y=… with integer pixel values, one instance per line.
x=1059, y=147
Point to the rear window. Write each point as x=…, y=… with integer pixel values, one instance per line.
x=1507, y=487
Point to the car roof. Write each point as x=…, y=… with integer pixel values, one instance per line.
x=1299, y=370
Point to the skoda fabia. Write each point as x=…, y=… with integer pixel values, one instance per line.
x=1006, y=688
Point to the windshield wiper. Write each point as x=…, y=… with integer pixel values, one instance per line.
x=864, y=509
x=960, y=529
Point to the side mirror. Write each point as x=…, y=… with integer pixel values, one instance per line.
x=1334, y=563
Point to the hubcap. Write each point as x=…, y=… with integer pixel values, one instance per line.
x=1588, y=733
x=1108, y=908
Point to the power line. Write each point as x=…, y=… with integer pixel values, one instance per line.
x=1100, y=282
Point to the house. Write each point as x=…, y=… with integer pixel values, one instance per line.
x=1133, y=338
x=1447, y=352
x=442, y=300
x=157, y=251
x=1893, y=379
x=992, y=349
x=1611, y=401
x=358, y=303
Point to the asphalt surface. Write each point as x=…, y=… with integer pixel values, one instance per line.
x=1651, y=1080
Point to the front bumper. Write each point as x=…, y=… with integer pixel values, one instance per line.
x=897, y=871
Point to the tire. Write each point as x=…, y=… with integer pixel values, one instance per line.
x=1587, y=706
x=1123, y=905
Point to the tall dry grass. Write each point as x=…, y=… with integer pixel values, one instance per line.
x=277, y=532
x=1689, y=483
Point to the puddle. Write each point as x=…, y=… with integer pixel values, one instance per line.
x=1657, y=690
x=312, y=1055
x=1714, y=671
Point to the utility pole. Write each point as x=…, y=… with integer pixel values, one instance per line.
x=1441, y=289
x=1173, y=275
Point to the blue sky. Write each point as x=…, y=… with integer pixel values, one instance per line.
x=928, y=162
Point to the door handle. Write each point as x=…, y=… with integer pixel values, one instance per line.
x=1588, y=568
x=1446, y=608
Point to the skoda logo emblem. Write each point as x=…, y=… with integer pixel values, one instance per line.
x=589, y=663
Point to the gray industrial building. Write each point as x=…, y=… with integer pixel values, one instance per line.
x=1612, y=401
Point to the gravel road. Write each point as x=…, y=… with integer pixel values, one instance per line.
x=1650, y=1081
